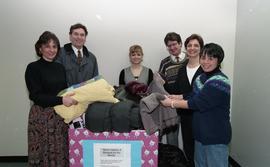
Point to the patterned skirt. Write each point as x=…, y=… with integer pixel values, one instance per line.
x=47, y=138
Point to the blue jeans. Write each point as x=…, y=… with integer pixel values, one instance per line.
x=215, y=155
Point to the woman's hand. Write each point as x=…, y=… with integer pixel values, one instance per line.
x=167, y=101
x=175, y=97
x=68, y=100
x=174, y=103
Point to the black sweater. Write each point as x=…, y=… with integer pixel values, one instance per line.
x=44, y=80
x=182, y=85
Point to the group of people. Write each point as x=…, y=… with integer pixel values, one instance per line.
x=198, y=90
x=57, y=69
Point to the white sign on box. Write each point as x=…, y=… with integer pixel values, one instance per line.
x=111, y=153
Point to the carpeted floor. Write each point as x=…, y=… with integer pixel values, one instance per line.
x=15, y=164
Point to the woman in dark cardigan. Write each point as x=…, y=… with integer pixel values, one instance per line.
x=47, y=132
x=183, y=85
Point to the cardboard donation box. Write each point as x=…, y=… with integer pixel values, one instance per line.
x=105, y=149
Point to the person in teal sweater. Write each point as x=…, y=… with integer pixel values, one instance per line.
x=210, y=102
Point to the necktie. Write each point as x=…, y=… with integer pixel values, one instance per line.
x=177, y=59
x=79, y=58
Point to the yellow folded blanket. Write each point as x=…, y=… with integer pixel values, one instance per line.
x=91, y=91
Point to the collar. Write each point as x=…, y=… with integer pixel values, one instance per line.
x=181, y=56
x=68, y=48
x=211, y=73
x=76, y=50
x=42, y=60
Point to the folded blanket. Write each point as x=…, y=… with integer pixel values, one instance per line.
x=96, y=89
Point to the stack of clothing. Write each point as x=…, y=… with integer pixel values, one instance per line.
x=94, y=90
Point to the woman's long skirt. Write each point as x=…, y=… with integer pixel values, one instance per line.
x=47, y=138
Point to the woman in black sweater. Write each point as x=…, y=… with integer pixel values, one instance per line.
x=47, y=132
x=183, y=85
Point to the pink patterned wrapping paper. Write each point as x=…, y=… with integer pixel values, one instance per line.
x=149, y=149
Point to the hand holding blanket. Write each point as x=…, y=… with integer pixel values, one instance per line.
x=96, y=89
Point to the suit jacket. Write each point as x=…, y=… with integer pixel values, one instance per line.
x=77, y=73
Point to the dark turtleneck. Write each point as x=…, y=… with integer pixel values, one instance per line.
x=44, y=80
x=211, y=73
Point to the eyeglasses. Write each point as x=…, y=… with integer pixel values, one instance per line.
x=173, y=44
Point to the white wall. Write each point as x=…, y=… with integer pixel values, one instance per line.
x=251, y=93
x=113, y=26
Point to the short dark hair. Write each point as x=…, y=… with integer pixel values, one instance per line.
x=44, y=38
x=76, y=26
x=172, y=36
x=192, y=37
x=213, y=50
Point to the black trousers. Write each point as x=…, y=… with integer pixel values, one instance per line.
x=187, y=135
